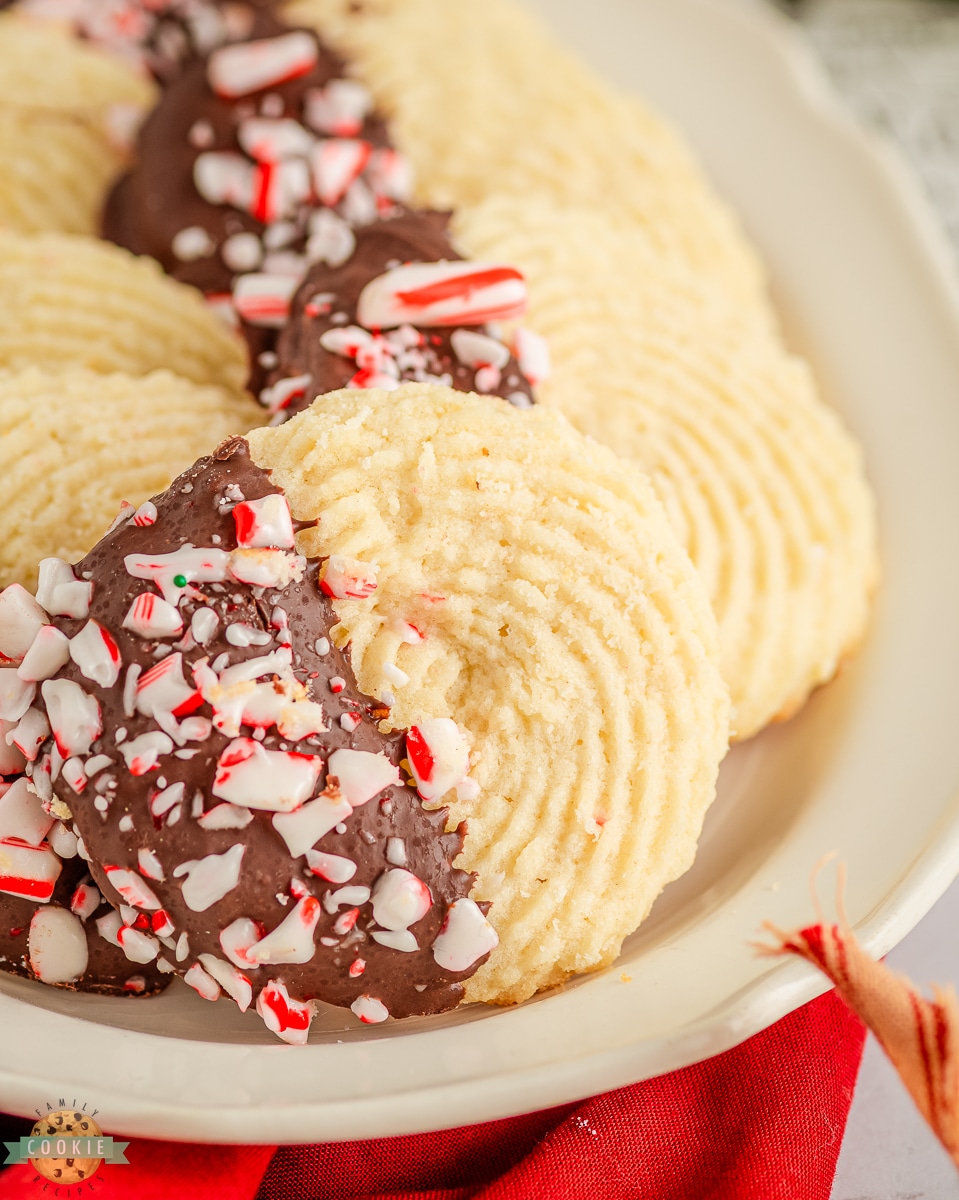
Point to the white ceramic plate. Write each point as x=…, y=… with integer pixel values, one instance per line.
x=870, y=769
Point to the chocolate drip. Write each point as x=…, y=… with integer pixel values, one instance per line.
x=197, y=510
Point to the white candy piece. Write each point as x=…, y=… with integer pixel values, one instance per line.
x=12, y=757
x=271, y=139
x=346, y=897
x=465, y=937
x=16, y=694
x=195, y=564
x=331, y=239
x=202, y=983
x=292, y=940
x=264, y=299
x=108, y=926
x=225, y=816
x=233, y=982
x=396, y=939
x=60, y=592
x=223, y=177
x=203, y=625
x=21, y=618
x=532, y=353
x=73, y=714
x=443, y=293
x=301, y=720
x=478, y=349
x=238, y=938
x=339, y=109
x=361, y=774
x=162, y=689
x=400, y=899
x=247, y=67
x=390, y=174
x=267, y=568
x=253, y=777
x=438, y=755
x=207, y=880
x=28, y=871
x=150, y=616
x=63, y=841
x=264, y=524
x=49, y=652
x=302, y=829
x=57, y=946
x=370, y=1010
x=96, y=654
x=22, y=815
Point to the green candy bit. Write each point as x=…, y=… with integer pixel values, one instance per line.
x=179, y=581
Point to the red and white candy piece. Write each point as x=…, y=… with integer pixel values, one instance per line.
x=361, y=774
x=370, y=1010
x=279, y=189
x=333, y=867
x=478, y=349
x=145, y=515
x=289, y=1019
x=223, y=177
x=28, y=871
x=162, y=689
x=150, y=865
x=73, y=714
x=139, y=947
x=194, y=564
x=151, y=616
x=292, y=940
x=264, y=299
x=238, y=70
x=338, y=109
x=142, y=753
x=85, y=901
x=225, y=816
x=438, y=755
x=57, y=946
x=96, y=654
x=16, y=694
x=132, y=888
x=390, y=174
x=344, y=578
x=12, y=756
x=22, y=816
x=264, y=523
x=400, y=899
x=234, y=982
x=302, y=829
x=207, y=880
x=267, y=568
x=442, y=293
x=21, y=619
x=73, y=774
x=532, y=353
x=162, y=923
x=49, y=652
x=60, y=592
x=301, y=720
x=26, y=737
x=275, y=780
x=465, y=937
x=336, y=162
x=202, y=983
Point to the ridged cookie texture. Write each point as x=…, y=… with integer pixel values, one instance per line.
x=67, y=113
x=76, y=444
x=528, y=585
x=488, y=103
x=762, y=483
x=75, y=300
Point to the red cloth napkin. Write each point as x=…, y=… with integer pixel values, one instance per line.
x=763, y=1121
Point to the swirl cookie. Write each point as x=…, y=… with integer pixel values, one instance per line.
x=232, y=790
x=76, y=445
x=67, y=116
x=494, y=106
x=74, y=301
x=493, y=567
x=761, y=481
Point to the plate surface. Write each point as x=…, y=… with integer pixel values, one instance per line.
x=870, y=768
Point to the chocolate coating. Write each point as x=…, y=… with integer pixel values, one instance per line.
x=109, y=972
x=416, y=236
x=158, y=198
x=195, y=510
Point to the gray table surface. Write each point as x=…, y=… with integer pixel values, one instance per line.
x=896, y=63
